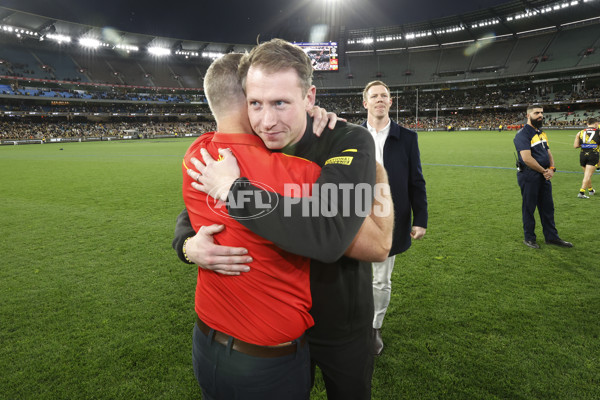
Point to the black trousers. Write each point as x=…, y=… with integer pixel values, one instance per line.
x=537, y=193
x=225, y=374
x=346, y=366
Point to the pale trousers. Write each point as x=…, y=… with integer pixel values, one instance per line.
x=382, y=289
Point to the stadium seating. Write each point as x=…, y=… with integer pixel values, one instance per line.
x=458, y=80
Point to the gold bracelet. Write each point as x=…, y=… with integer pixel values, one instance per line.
x=184, y=252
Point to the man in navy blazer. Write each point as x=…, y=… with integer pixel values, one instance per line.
x=397, y=148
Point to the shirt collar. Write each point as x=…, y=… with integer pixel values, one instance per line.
x=238, y=138
x=385, y=130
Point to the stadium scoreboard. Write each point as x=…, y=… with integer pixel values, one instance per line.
x=323, y=56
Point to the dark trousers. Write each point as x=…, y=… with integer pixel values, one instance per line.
x=346, y=366
x=224, y=373
x=537, y=192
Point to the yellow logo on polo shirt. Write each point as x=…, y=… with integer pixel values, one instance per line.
x=340, y=160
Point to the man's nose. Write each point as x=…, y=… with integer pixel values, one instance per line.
x=269, y=118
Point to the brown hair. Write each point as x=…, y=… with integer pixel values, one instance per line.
x=221, y=84
x=277, y=55
x=592, y=121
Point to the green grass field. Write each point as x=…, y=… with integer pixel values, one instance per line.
x=94, y=303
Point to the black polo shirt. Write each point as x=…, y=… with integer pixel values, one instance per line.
x=341, y=287
x=529, y=138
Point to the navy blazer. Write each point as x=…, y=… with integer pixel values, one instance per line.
x=402, y=161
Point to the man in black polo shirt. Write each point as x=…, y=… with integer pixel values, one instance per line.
x=536, y=169
x=341, y=287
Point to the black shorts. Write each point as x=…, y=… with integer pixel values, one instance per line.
x=588, y=157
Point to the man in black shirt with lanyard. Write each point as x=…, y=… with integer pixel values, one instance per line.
x=588, y=139
x=536, y=169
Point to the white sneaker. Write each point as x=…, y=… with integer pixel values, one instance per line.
x=582, y=196
x=591, y=192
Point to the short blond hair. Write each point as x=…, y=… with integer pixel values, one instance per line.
x=374, y=83
x=222, y=86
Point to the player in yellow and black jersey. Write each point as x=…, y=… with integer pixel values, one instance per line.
x=588, y=140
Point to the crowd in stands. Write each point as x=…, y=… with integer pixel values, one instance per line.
x=454, y=99
x=100, y=95
x=22, y=128
x=83, y=108
x=18, y=130
x=490, y=121
x=406, y=99
x=481, y=108
x=487, y=121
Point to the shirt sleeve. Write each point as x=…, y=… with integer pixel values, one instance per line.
x=417, y=191
x=323, y=225
x=521, y=143
x=183, y=230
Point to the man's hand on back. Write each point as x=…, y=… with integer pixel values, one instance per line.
x=202, y=250
x=322, y=118
x=215, y=177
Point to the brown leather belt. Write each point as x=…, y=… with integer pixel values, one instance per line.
x=250, y=349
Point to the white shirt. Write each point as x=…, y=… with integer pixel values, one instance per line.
x=379, y=138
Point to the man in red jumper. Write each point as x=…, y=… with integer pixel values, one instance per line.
x=248, y=340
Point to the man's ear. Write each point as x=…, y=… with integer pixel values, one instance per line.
x=311, y=97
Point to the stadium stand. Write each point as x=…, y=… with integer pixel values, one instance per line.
x=568, y=47
x=474, y=70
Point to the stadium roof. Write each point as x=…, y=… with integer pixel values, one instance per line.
x=512, y=18
x=37, y=26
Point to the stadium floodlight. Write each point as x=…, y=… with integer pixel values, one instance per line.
x=212, y=54
x=18, y=31
x=159, y=51
x=59, y=38
x=127, y=47
x=389, y=38
x=186, y=53
x=89, y=42
x=418, y=34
